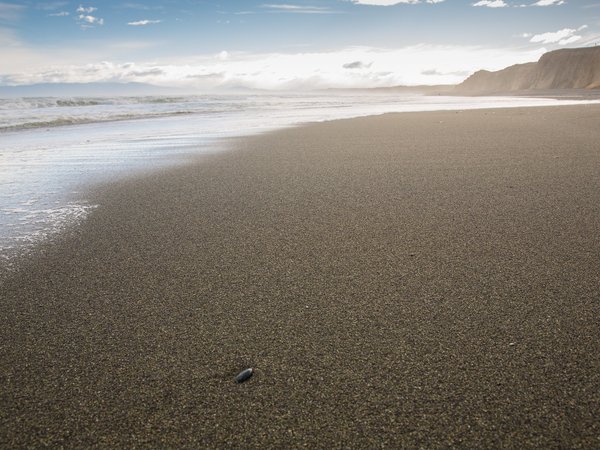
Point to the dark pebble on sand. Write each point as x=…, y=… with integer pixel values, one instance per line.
x=244, y=375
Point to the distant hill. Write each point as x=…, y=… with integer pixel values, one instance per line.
x=440, y=89
x=577, y=68
x=85, y=90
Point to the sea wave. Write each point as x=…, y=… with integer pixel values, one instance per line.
x=27, y=103
x=26, y=113
x=79, y=120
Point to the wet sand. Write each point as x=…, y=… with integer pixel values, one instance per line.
x=409, y=280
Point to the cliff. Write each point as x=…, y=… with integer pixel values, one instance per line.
x=577, y=68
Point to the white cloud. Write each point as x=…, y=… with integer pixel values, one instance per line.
x=141, y=23
x=85, y=18
x=59, y=14
x=90, y=20
x=30, y=64
x=84, y=10
x=491, y=3
x=569, y=40
x=349, y=67
x=548, y=2
x=561, y=37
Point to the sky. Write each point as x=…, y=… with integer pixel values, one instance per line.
x=293, y=44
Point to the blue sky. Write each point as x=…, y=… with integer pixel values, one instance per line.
x=282, y=44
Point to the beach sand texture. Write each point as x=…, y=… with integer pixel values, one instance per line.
x=416, y=279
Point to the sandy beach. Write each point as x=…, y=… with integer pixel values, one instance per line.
x=407, y=280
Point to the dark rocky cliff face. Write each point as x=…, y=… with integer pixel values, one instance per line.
x=561, y=69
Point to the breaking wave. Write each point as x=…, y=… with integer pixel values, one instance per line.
x=63, y=121
x=26, y=103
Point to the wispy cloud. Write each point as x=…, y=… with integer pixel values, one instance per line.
x=141, y=23
x=394, y=2
x=88, y=10
x=549, y=3
x=60, y=14
x=50, y=6
x=503, y=4
x=561, y=37
x=385, y=2
x=491, y=3
x=141, y=6
x=9, y=12
x=296, y=9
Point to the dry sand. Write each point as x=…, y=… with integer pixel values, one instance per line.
x=418, y=279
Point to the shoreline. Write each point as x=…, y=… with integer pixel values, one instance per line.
x=42, y=210
x=577, y=96
x=409, y=279
x=552, y=94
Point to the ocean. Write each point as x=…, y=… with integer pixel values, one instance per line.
x=53, y=150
